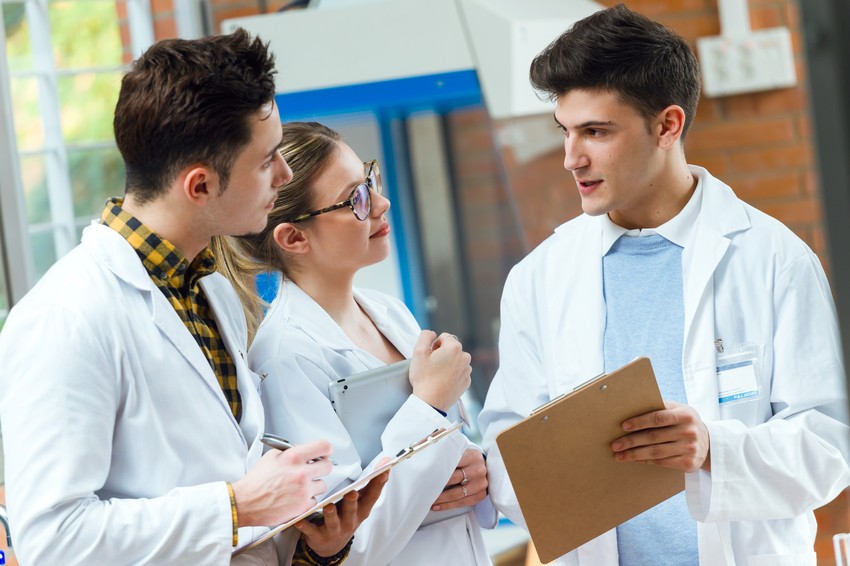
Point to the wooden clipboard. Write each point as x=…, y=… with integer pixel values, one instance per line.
x=559, y=460
x=361, y=482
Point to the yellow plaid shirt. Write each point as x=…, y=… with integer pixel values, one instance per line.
x=179, y=282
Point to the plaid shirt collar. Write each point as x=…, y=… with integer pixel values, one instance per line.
x=162, y=260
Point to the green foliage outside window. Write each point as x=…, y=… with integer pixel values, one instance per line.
x=84, y=34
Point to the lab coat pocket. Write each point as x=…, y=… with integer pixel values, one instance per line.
x=807, y=559
x=740, y=388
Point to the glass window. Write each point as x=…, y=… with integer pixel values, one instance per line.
x=34, y=179
x=97, y=22
x=43, y=249
x=29, y=127
x=96, y=175
x=4, y=289
x=18, y=49
x=87, y=43
x=86, y=102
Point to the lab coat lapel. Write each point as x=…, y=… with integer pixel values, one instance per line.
x=576, y=304
x=117, y=254
x=393, y=331
x=312, y=318
x=721, y=214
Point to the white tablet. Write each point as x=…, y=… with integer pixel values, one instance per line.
x=365, y=403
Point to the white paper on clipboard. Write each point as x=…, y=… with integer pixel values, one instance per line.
x=361, y=482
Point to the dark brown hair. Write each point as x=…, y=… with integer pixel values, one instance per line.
x=190, y=101
x=617, y=50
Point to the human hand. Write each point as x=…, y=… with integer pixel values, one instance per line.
x=331, y=533
x=674, y=437
x=282, y=484
x=467, y=486
x=440, y=370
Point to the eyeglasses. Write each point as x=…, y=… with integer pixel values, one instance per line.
x=360, y=199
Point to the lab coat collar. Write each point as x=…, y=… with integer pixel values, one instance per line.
x=320, y=327
x=112, y=250
x=677, y=230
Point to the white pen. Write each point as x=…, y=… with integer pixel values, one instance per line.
x=279, y=443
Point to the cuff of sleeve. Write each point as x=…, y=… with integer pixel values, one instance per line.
x=233, y=514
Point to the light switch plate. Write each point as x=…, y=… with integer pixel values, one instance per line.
x=760, y=60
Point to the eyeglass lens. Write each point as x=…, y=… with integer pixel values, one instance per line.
x=361, y=201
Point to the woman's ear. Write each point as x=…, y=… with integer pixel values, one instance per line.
x=672, y=123
x=290, y=238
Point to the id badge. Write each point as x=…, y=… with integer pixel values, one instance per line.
x=737, y=375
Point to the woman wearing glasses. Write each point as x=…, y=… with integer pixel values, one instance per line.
x=327, y=223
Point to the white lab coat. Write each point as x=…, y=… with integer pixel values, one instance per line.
x=298, y=350
x=118, y=439
x=747, y=279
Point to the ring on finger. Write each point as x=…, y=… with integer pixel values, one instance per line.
x=463, y=487
x=465, y=479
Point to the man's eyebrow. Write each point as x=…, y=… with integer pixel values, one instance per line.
x=588, y=124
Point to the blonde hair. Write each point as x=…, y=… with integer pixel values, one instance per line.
x=307, y=148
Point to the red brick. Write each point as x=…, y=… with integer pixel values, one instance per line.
x=692, y=26
x=164, y=28
x=795, y=212
x=655, y=8
x=756, y=187
x=161, y=6
x=765, y=17
x=741, y=133
x=708, y=110
x=782, y=101
x=811, y=184
x=715, y=161
x=793, y=155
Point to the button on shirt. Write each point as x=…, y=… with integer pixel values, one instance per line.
x=179, y=282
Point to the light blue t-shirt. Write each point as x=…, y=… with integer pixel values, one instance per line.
x=645, y=316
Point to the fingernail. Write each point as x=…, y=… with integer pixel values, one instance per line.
x=616, y=446
x=435, y=508
x=627, y=426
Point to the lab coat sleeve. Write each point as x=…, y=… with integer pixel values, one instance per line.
x=485, y=511
x=59, y=407
x=797, y=460
x=518, y=387
x=297, y=408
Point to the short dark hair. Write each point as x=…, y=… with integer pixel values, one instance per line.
x=187, y=101
x=617, y=50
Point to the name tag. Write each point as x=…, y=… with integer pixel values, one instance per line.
x=737, y=373
x=736, y=382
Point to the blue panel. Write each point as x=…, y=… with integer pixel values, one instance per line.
x=267, y=285
x=441, y=92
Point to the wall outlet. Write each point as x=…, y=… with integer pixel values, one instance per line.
x=761, y=60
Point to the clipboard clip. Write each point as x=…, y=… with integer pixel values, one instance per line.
x=562, y=395
x=429, y=440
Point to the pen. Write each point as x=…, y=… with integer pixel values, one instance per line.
x=274, y=441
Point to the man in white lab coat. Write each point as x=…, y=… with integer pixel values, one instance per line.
x=131, y=421
x=732, y=308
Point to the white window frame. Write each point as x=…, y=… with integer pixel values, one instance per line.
x=16, y=231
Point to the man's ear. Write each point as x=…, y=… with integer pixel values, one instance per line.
x=199, y=183
x=671, y=124
x=290, y=238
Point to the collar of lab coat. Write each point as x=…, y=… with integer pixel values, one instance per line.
x=114, y=252
x=677, y=230
x=320, y=327
x=577, y=247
